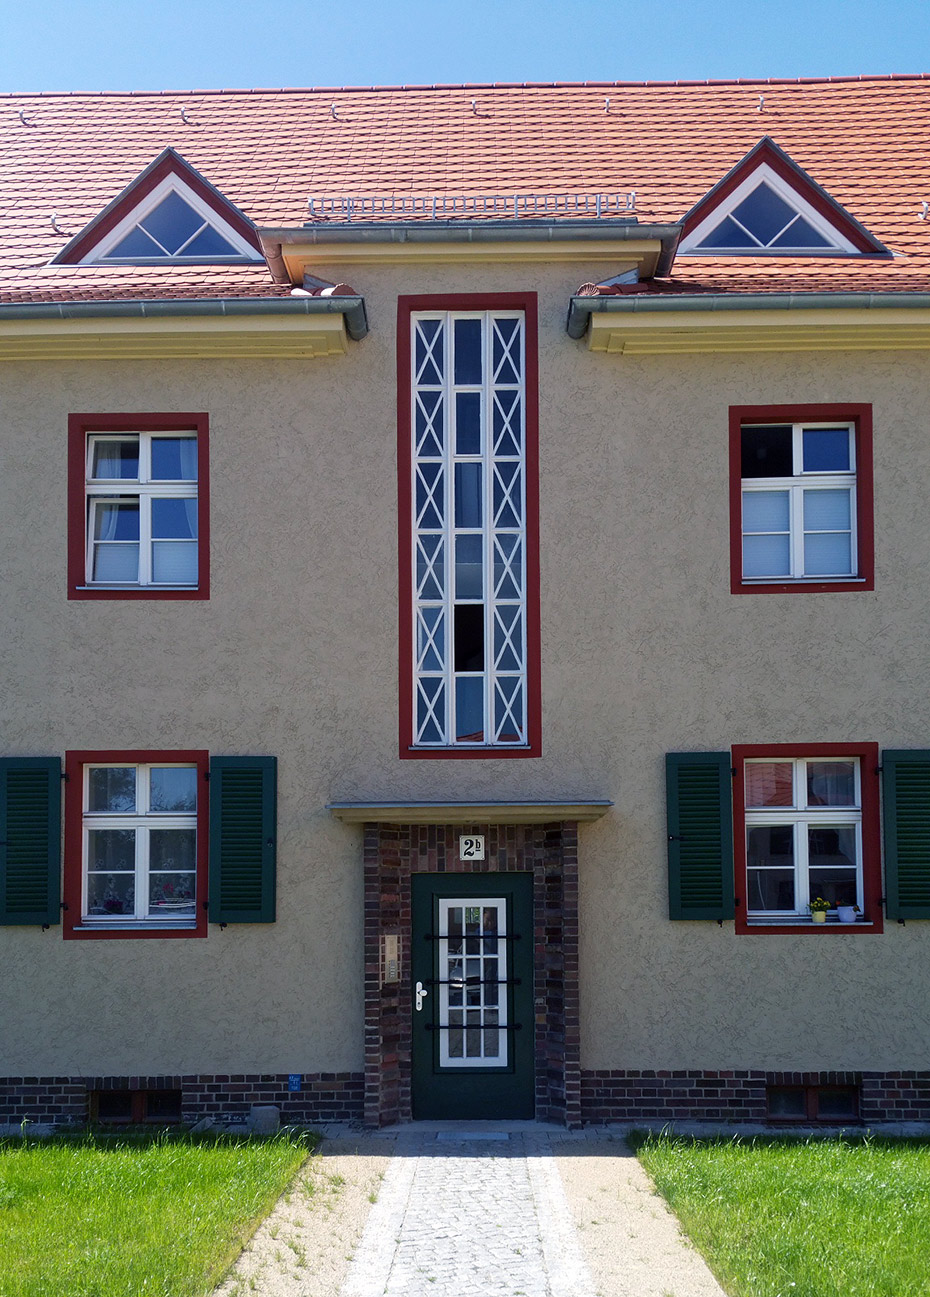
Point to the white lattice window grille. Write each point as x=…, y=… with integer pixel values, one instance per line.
x=798, y=501
x=473, y=964
x=803, y=835
x=469, y=551
x=142, y=518
x=139, y=845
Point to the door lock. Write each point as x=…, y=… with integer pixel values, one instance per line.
x=420, y=992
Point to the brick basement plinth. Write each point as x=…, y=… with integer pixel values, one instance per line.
x=61, y=1100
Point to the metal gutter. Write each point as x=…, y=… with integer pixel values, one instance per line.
x=482, y=231
x=352, y=308
x=581, y=309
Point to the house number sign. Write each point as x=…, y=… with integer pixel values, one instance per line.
x=471, y=848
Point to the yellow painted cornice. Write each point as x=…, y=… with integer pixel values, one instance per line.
x=694, y=331
x=641, y=254
x=172, y=337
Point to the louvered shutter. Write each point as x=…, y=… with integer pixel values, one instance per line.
x=700, y=835
x=243, y=796
x=30, y=840
x=906, y=797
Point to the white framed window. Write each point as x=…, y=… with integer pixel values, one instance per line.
x=172, y=223
x=803, y=825
x=469, y=561
x=472, y=982
x=141, y=509
x=798, y=501
x=764, y=214
x=139, y=845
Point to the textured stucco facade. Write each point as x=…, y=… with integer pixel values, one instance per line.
x=644, y=650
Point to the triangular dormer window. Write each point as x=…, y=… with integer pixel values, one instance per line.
x=767, y=205
x=169, y=214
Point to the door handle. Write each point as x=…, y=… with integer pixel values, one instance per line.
x=420, y=992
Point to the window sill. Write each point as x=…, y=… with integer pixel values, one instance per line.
x=89, y=929
x=478, y=752
x=200, y=591
x=802, y=585
x=791, y=925
x=140, y=589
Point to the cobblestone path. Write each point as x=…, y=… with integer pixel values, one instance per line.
x=470, y=1217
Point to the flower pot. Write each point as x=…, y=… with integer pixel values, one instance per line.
x=846, y=913
x=819, y=916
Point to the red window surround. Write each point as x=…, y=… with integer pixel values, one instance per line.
x=861, y=417
x=406, y=305
x=867, y=754
x=74, y=842
x=79, y=426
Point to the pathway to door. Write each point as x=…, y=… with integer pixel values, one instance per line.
x=485, y=1209
x=470, y=1214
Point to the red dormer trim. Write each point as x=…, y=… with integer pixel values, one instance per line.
x=169, y=162
x=767, y=151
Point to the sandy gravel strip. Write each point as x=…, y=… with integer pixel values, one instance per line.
x=303, y=1249
x=632, y=1243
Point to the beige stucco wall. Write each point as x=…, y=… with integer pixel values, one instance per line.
x=644, y=650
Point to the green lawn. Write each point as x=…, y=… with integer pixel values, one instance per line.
x=133, y=1216
x=801, y=1218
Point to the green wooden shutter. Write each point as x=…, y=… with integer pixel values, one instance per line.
x=243, y=812
x=700, y=835
x=30, y=840
x=906, y=797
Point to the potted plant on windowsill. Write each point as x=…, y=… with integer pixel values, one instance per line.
x=818, y=908
x=847, y=913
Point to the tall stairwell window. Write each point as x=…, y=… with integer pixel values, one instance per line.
x=471, y=618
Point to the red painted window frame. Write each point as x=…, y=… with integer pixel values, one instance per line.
x=74, y=841
x=867, y=754
x=861, y=417
x=406, y=306
x=79, y=427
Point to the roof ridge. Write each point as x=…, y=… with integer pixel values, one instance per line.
x=463, y=85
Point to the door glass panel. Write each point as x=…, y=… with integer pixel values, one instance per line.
x=472, y=1008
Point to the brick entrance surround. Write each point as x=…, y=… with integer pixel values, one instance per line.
x=393, y=852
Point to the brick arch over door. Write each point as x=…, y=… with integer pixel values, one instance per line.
x=393, y=853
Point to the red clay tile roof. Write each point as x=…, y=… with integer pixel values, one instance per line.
x=866, y=141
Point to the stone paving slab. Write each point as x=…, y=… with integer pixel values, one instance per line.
x=460, y=1216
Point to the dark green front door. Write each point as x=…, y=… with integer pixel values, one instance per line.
x=472, y=985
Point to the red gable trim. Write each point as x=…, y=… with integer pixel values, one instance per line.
x=168, y=163
x=767, y=151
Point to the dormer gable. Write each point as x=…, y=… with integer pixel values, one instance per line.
x=769, y=206
x=170, y=214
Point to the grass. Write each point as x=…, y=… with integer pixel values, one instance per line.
x=156, y=1215
x=832, y=1217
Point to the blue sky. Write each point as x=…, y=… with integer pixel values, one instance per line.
x=205, y=44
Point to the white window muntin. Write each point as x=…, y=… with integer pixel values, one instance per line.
x=838, y=242
x=797, y=487
x=140, y=491
x=141, y=822
x=505, y=633
x=801, y=817
x=169, y=184
x=473, y=1035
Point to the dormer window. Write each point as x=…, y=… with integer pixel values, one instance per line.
x=172, y=229
x=764, y=220
x=767, y=205
x=168, y=214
